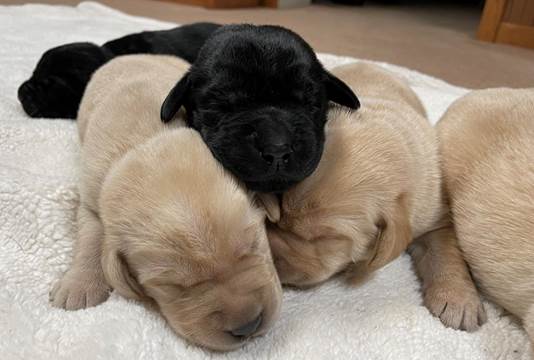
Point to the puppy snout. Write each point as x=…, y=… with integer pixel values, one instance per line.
x=277, y=153
x=249, y=328
x=275, y=147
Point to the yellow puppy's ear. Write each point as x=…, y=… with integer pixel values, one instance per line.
x=393, y=237
x=271, y=205
x=119, y=276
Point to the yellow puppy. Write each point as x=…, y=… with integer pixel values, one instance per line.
x=487, y=145
x=160, y=220
x=377, y=187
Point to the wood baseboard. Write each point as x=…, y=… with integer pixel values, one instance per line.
x=513, y=34
x=269, y=3
x=508, y=22
x=229, y=4
x=220, y=4
x=490, y=20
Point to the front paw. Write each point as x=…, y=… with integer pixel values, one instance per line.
x=458, y=307
x=79, y=289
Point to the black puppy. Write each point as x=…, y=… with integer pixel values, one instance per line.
x=57, y=84
x=259, y=97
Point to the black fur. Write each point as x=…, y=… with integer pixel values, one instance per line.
x=57, y=84
x=184, y=41
x=259, y=97
x=59, y=79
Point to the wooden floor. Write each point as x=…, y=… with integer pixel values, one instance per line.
x=436, y=39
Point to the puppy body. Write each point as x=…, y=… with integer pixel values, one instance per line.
x=394, y=109
x=154, y=219
x=376, y=188
x=59, y=79
x=55, y=88
x=184, y=41
x=487, y=146
x=379, y=175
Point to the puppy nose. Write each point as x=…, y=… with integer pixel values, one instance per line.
x=275, y=153
x=249, y=328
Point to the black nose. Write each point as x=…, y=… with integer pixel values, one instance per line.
x=249, y=328
x=276, y=153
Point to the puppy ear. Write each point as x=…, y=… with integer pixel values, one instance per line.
x=393, y=237
x=270, y=203
x=119, y=276
x=176, y=99
x=340, y=93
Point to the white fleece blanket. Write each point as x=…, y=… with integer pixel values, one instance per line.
x=383, y=319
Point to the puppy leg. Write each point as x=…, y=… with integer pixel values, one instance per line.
x=83, y=285
x=448, y=289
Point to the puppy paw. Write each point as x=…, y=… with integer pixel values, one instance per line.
x=456, y=307
x=79, y=289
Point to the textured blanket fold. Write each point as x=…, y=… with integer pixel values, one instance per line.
x=382, y=319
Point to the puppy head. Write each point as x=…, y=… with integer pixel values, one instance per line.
x=259, y=96
x=350, y=214
x=181, y=233
x=59, y=79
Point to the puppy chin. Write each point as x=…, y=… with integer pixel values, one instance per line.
x=261, y=178
x=271, y=186
x=221, y=341
x=278, y=181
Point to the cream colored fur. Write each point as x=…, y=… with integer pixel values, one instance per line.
x=376, y=188
x=159, y=219
x=487, y=145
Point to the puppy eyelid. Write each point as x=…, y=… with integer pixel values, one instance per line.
x=184, y=287
x=179, y=285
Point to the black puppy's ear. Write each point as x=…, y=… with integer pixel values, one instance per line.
x=176, y=98
x=338, y=92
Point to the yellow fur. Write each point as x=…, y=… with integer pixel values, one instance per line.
x=487, y=145
x=376, y=188
x=163, y=222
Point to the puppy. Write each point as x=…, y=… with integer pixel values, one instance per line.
x=259, y=97
x=377, y=186
x=57, y=84
x=487, y=143
x=160, y=220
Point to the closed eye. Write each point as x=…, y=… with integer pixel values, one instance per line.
x=184, y=287
x=209, y=118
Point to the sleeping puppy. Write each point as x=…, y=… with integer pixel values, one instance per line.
x=56, y=86
x=259, y=97
x=160, y=220
x=487, y=144
x=376, y=187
